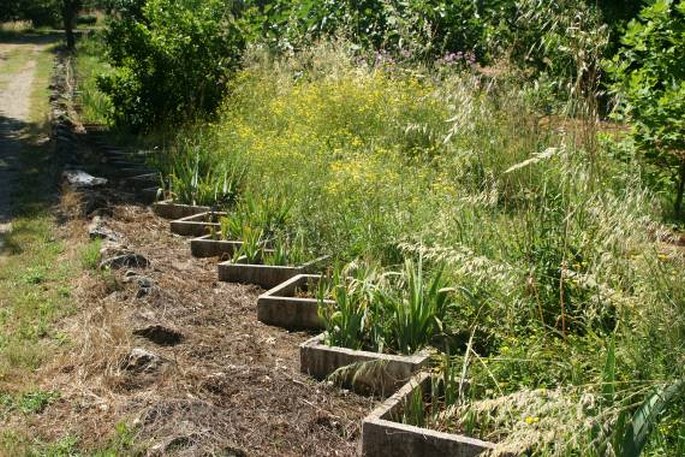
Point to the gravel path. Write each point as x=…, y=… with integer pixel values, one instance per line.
x=14, y=115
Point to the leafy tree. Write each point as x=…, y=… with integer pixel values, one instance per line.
x=39, y=12
x=44, y=13
x=650, y=76
x=171, y=61
x=427, y=28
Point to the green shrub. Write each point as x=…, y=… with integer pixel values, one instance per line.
x=172, y=63
x=650, y=78
x=420, y=29
x=87, y=19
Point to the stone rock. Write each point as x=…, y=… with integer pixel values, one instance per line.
x=110, y=248
x=125, y=260
x=140, y=360
x=145, y=282
x=160, y=334
x=96, y=203
x=80, y=179
x=145, y=286
x=98, y=229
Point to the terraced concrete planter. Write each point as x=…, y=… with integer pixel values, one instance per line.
x=197, y=224
x=168, y=209
x=319, y=360
x=384, y=436
x=282, y=308
x=266, y=276
x=148, y=195
x=207, y=246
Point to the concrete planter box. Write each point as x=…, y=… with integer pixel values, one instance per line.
x=171, y=210
x=198, y=224
x=320, y=360
x=266, y=276
x=384, y=436
x=281, y=308
x=206, y=246
x=148, y=195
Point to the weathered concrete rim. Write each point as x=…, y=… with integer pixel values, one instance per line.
x=301, y=269
x=196, y=224
x=317, y=342
x=287, y=288
x=381, y=434
x=169, y=209
x=208, y=246
x=280, y=308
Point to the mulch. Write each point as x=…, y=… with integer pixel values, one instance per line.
x=229, y=385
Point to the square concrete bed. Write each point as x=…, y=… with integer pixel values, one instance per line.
x=319, y=360
x=206, y=246
x=197, y=224
x=383, y=436
x=168, y=209
x=280, y=307
x=266, y=276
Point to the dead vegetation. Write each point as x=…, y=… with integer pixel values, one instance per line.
x=227, y=385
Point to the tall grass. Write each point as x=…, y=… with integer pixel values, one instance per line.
x=90, y=63
x=549, y=238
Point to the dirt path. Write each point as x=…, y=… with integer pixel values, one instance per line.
x=15, y=95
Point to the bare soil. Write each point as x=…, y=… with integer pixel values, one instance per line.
x=231, y=386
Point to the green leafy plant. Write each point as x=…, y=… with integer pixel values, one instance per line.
x=349, y=321
x=270, y=214
x=197, y=173
x=251, y=249
x=414, y=308
x=287, y=250
x=395, y=311
x=646, y=417
x=650, y=78
x=171, y=62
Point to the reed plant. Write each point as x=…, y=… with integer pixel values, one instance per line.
x=251, y=249
x=414, y=307
x=270, y=213
x=384, y=310
x=287, y=250
x=348, y=321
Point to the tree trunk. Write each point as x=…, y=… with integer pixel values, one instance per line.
x=69, y=16
x=681, y=188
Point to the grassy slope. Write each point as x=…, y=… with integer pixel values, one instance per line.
x=36, y=278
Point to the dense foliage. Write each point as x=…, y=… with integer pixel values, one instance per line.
x=461, y=140
x=545, y=237
x=650, y=73
x=39, y=12
x=198, y=43
x=171, y=62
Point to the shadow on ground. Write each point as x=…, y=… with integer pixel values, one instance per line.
x=27, y=175
x=38, y=38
